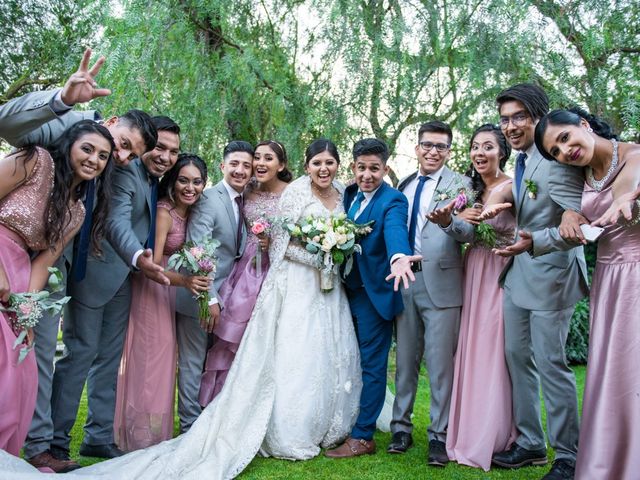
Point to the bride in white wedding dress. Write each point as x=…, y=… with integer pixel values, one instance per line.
x=295, y=383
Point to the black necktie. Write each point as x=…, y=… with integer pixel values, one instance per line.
x=151, y=237
x=80, y=261
x=520, y=166
x=240, y=202
x=415, y=210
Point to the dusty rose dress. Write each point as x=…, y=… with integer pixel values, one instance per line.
x=146, y=381
x=238, y=294
x=609, y=446
x=21, y=228
x=480, y=418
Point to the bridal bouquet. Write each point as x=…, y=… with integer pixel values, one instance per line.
x=333, y=240
x=261, y=227
x=197, y=259
x=25, y=309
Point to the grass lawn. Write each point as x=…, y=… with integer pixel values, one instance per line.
x=379, y=466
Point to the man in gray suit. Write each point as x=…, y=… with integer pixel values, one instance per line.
x=541, y=286
x=40, y=118
x=430, y=322
x=96, y=317
x=218, y=215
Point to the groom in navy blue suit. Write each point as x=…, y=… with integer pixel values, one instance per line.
x=374, y=301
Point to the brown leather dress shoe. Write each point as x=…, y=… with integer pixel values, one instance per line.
x=352, y=447
x=46, y=460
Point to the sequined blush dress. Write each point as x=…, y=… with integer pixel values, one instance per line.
x=238, y=294
x=146, y=380
x=22, y=229
x=609, y=446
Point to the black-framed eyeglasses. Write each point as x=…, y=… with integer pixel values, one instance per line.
x=518, y=119
x=440, y=147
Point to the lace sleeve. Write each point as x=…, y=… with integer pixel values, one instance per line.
x=299, y=254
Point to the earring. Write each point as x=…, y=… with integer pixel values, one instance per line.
x=497, y=172
x=590, y=130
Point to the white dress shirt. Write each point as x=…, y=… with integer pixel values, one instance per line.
x=426, y=195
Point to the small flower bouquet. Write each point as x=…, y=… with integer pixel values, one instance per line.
x=531, y=188
x=197, y=259
x=334, y=241
x=25, y=310
x=261, y=227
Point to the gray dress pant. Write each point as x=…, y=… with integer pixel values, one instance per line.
x=424, y=330
x=534, y=349
x=93, y=338
x=192, y=351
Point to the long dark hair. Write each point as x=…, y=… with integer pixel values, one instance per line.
x=532, y=96
x=168, y=182
x=571, y=116
x=318, y=146
x=477, y=184
x=285, y=175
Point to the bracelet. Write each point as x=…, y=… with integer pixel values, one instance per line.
x=635, y=220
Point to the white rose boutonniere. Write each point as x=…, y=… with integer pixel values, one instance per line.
x=531, y=188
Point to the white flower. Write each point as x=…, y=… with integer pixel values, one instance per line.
x=443, y=196
x=341, y=238
x=532, y=195
x=329, y=241
x=306, y=228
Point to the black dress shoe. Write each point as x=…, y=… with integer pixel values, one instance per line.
x=517, y=457
x=561, y=470
x=101, y=451
x=400, y=442
x=59, y=453
x=437, y=453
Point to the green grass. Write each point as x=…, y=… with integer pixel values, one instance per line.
x=380, y=466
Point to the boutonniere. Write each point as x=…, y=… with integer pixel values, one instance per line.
x=531, y=188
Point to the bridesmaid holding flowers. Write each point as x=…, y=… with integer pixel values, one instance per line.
x=239, y=292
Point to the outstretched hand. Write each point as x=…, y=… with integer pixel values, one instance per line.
x=621, y=208
x=442, y=216
x=522, y=245
x=151, y=270
x=81, y=86
x=493, y=210
x=401, y=271
x=471, y=215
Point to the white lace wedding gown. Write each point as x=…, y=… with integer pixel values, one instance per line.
x=293, y=387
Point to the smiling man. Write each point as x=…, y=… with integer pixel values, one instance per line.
x=217, y=214
x=541, y=287
x=96, y=318
x=430, y=322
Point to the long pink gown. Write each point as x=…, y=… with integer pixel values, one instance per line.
x=609, y=446
x=22, y=228
x=238, y=294
x=146, y=381
x=480, y=418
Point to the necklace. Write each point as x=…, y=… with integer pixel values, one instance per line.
x=328, y=194
x=598, y=184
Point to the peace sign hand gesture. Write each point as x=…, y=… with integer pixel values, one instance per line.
x=81, y=86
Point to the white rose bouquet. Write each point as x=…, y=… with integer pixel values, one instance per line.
x=333, y=240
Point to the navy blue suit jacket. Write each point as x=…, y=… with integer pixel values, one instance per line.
x=388, y=208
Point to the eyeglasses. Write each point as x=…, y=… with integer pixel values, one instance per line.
x=518, y=119
x=440, y=147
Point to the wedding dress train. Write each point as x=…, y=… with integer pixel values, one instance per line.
x=293, y=387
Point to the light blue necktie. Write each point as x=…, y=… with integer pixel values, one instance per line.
x=356, y=206
x=520, y=166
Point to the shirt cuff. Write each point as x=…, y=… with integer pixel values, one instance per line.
x=395, y=257
x=134, y=260
x=213, y=301
x=58, y=106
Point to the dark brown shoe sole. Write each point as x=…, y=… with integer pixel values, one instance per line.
x=536, y=462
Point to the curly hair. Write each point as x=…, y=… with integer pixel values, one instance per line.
x=477, y=184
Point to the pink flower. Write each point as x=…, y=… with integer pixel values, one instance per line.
x=206, y=265
x=196, y=252
x=260, y=226
x=25, y=308
x=460, y=201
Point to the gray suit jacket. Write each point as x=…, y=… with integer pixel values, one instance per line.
x=212, y=217
x=555, y=276
x=127, y=229
x=31, y=119
x=442, y=252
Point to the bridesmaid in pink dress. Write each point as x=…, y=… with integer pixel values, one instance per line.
x=34, y=185
x=240, y=290
x=610, y=431
x=480, y=418
x=146, y=381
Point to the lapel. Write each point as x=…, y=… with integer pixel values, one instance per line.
x=530, y=169
x=445, y=182
x=226, y=201
x=403, y=183
x=143, y=179
x=365, y=215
